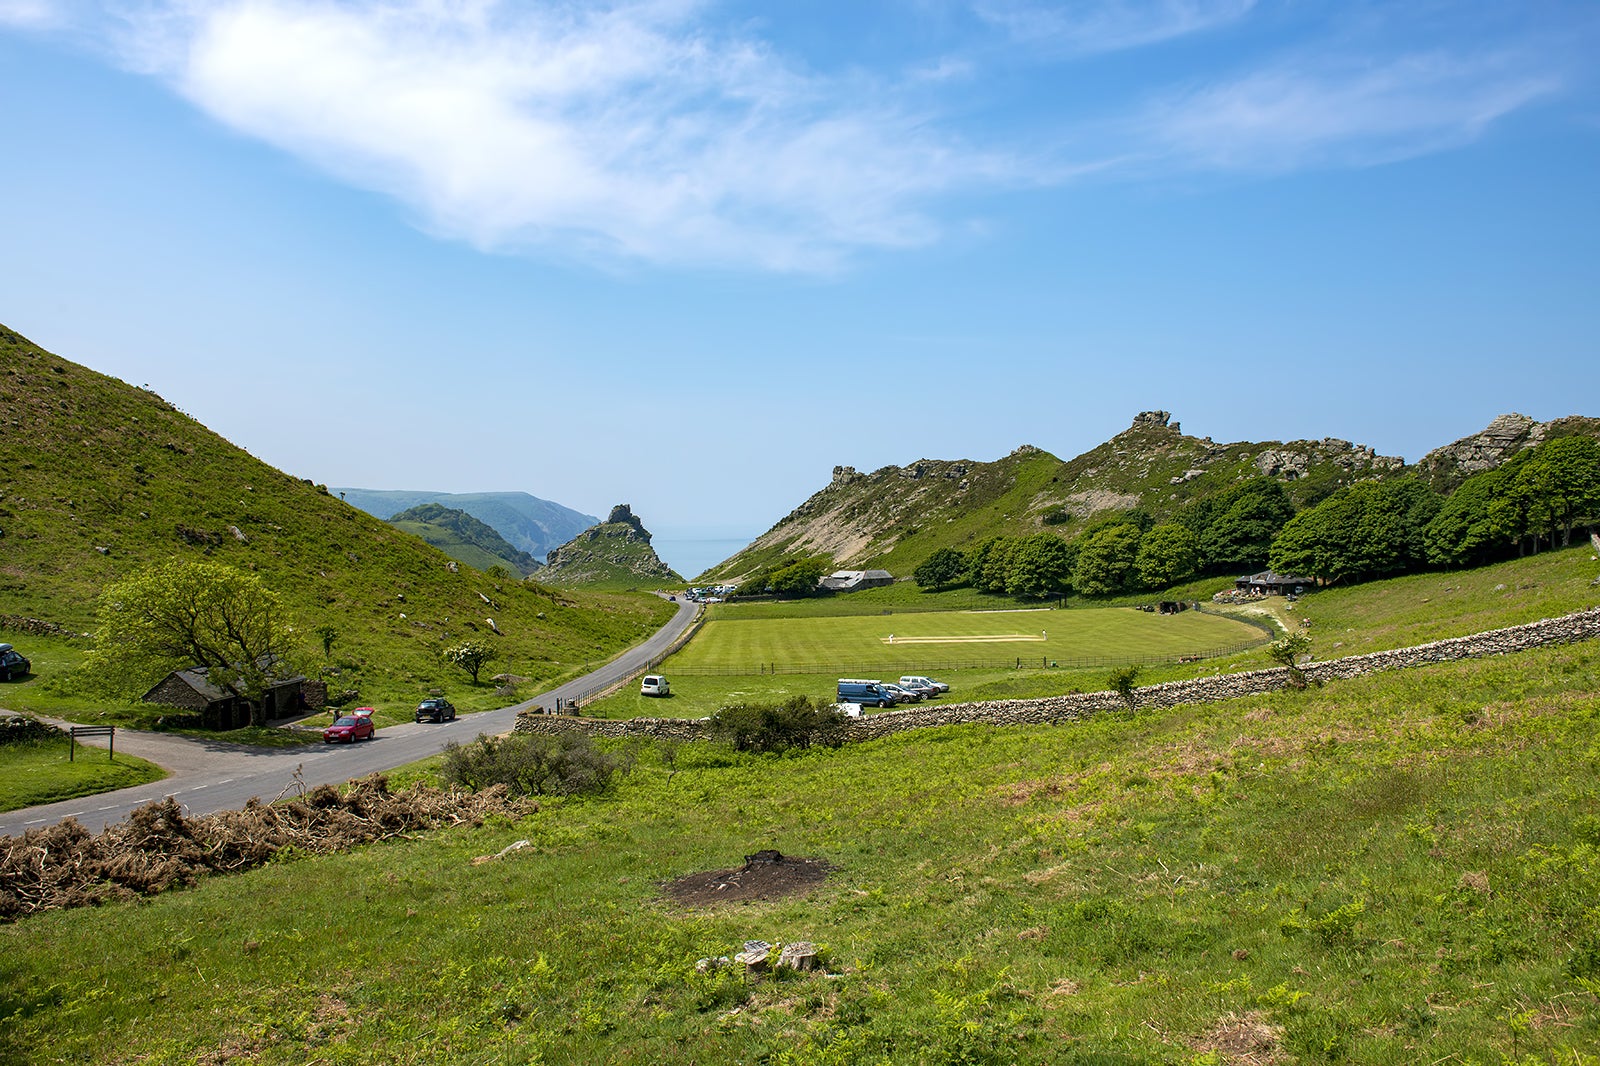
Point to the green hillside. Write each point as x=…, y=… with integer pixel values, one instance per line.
x=526, y=522
x=1394, y=870
x=100, y=479
x=463, y=538
x=614, y=554
x=897, y=517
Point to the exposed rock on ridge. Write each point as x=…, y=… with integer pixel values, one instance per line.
x=1445, y=468
x=615, y=551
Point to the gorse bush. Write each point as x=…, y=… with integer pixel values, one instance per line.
x=567, y=764
x=796, y=723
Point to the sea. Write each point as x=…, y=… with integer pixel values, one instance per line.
x=692, y=555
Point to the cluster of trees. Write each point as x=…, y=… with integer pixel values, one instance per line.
x=1367, y=530
x=1378, y=528
x=1123, y=552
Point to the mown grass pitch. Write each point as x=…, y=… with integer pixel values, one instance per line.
x=921, y=642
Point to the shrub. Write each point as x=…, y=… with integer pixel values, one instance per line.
x=1123, y=682
x=797, y=723
x=567, y=764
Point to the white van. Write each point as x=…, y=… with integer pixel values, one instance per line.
x=654, y=685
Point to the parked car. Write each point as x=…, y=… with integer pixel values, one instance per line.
x=350, y=728
x=927, y=692
x=436, y=709
x=918, y=681
x=902, y=695
x=13, y=664
x=654, y=685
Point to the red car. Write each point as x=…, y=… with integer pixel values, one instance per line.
x=351, y=727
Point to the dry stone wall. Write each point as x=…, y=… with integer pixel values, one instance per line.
x=1054, y=710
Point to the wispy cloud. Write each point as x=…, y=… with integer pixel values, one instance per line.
x=1107, y=25
x=656, y=131
x=30, y=14
x=628, y=131
x=1319, y=114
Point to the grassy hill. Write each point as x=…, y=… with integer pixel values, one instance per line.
x=896, y=517
x=526, y=522
x=614, y=554
x=1393, y=870
x=101, y=479
x=463, y=538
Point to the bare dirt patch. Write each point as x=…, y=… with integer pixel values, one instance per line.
x=1243, y=1041
x=766, y=875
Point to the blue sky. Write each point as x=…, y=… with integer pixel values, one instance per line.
x=691, y=255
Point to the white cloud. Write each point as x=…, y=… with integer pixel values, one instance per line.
x=628, y=131
x=31, y=14
x=1314, y=115
x=1091, y=26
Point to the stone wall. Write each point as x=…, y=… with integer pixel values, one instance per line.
x=1052, y=710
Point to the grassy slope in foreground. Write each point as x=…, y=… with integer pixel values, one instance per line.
x=102, y=479
x=1397, y=869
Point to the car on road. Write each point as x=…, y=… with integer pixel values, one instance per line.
x=350, y=728
x=654, y=685
x=436, y=709
x=13, y=664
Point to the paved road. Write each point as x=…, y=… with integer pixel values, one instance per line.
x=208, y=775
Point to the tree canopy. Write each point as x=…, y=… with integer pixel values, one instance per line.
x=1367, y=530
x=181, y=615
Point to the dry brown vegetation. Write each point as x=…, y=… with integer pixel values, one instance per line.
x=158, y=847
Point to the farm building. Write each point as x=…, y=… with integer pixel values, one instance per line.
x=851, y=580
x=219, y=708
x=1268, y=583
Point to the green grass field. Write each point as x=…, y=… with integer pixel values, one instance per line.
x=38, y=771
x=923, y=642
x=1395, y=870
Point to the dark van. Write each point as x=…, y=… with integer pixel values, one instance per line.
x=866, y=693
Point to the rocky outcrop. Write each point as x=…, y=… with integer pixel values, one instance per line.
x=1508, y=434
x=615, y=551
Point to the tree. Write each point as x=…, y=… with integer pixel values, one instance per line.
x=944, y=567
x=470, y=655
x=1468, y=530
x=329, y=635
x=799, y=578
x=181, y=615
x=1368, y=530
x=1105, y=559
x=1287, y=652
x=1558, y=485
x=1041, y=566
x=1167, y=554
x=989, y=565
x=1124, y=681
x=1241, y=524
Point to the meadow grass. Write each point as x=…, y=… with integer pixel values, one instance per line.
x=915, y=642
x=38, y=771
x=1396, y=869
